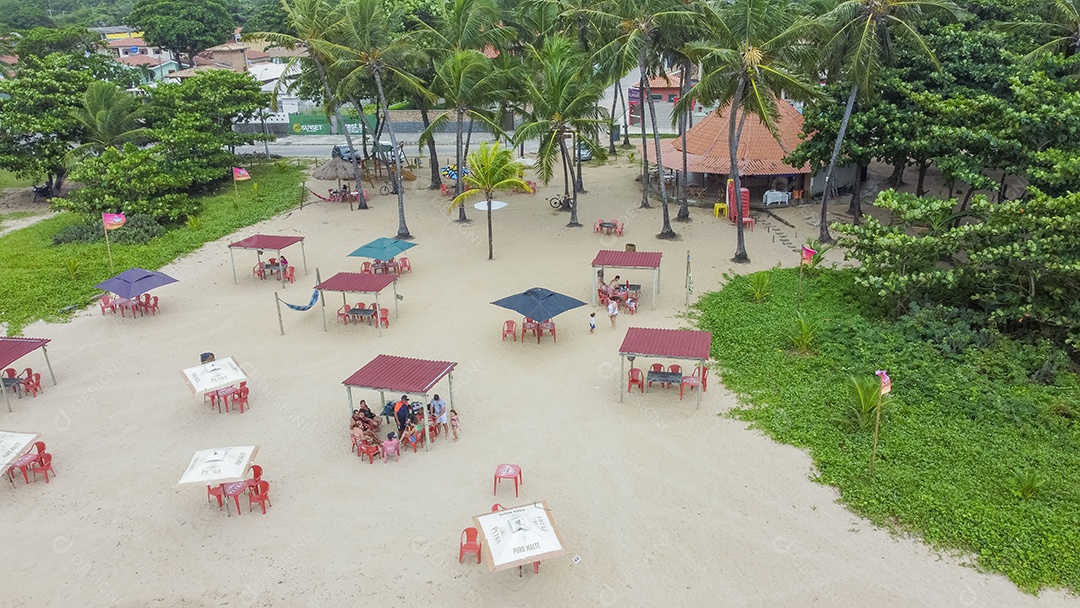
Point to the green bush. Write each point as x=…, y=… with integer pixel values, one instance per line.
x=971, y=417
x=138, y=229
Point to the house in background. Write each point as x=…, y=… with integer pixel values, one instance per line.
x=150, y=69
x=129, y=49
x=115, y=32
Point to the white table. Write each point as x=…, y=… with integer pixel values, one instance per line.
x=775, y=196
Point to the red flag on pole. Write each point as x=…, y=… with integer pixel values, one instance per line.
x=113, y=221
x=240, y=174
x=886, y=382
x=808, y=255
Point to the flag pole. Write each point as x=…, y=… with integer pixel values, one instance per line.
x=108, y=248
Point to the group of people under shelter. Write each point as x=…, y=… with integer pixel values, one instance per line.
x=410, y=418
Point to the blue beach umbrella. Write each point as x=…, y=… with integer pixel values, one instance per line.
x=539, y=303
x=382, y=249
x=134, y=282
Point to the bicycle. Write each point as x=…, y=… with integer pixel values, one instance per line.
x=385, y=189
x=560, y=202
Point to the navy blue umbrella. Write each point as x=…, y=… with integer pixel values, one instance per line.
x=135, y=281
x=539, y=304
x=382, y=249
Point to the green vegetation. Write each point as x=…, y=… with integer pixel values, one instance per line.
x=36, y=277
x=10, y=180
x=978, y=451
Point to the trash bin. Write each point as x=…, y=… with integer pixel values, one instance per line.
x=616, y=133
x=631, y=247
x=206, y=357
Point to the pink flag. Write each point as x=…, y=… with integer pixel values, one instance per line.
x=807, y=255
x=240, y=174
x=886, y=382
x=113, y=221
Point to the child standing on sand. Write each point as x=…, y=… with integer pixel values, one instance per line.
x=592, y=322
x=454, y=423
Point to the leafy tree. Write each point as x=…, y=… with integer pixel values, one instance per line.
x=864, y=33
x=42, y=41
x=37, y=127
x=758, y=49
x=270, y=16
x=1061, y=25
x=110, y=117
x=185, y=27
x=491, y=168
x=133, y=181
x=222, y=97
x=27, y=17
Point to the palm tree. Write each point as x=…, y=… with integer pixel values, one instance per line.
x=469, y=83
x=367, y=44
x=110, y=117
x=491, y=168
x=861, y=44
x=563, y=95
x=312, y=20
x=759, y=48
x=637, y=25
x=1063, y=25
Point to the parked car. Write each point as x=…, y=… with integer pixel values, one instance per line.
x=382, y=150
x=343, y=152
x=583, y=151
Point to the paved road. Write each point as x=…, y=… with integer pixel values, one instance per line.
x=320, y=145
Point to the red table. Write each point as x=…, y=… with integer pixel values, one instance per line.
x=507, y=471
x=124, y=304
x=234, y=490
x=23, y=462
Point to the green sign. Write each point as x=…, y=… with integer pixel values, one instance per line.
x=306, y=124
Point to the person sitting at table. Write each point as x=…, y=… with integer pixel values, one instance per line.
x=613, y=285
x=391, y=446
x=365, y=435
x=283, y=262
x=355, y=419
x=370, y=416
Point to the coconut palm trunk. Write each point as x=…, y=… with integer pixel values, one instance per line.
x=357, y=174
x=684, y=78
x=433, y=155
x=491, y=239
x=733, y=151
x=403, y=229
x=644, y=149
x=823, y=234
x=460, y=165
x=665, y=231
x=574, y=223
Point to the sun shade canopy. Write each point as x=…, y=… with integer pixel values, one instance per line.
x=627, y=259
x=13, y=349
x=266, y=241
x=355, y=282
x=400, y=374
x=668, y=343
x=134, y=282
x=382, y=249
x=539, y=303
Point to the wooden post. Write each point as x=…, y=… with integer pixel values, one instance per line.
x=232, y=259
x=622, y=374
x=45, y=351
x=303, y=254
x=877, y=424
x=348, y=390
x=281, y=325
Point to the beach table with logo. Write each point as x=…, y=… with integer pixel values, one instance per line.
x=13, y=446
x=213, y=376
x=220, y=467
x=519, y=535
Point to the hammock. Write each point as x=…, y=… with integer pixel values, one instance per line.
x=314, y=298
x=320, y=197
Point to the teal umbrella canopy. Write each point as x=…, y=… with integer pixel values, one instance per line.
x=382, y=249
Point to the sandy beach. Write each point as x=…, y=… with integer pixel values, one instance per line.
x=666, y=504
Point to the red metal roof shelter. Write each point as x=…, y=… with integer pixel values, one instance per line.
x=664, y=343
x=356, y=282
x=13, y=349
x=607, y=258
x=269, y=242
x=402, y=375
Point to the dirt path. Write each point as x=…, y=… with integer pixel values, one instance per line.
x=20, y=203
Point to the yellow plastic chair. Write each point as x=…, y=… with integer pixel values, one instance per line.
x=717, y=207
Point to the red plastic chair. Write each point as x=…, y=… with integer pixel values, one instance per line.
x=404, y=265
x=343, y=314
x=272, y=261
x=44, y=466
x=384, y=317
x=548, y=326
x=240, y=397
x=528, y=324
x=256, y=474
x=748, y=220
x=258, y=271
x=636, y=378
x=361, y=305
x=389, y=447
x=692, y=381
x=704, y=375
x=507, y=471
x=414, y=440
x=106, y=301
x=365, y=268
x=603, y=295
x=260, y=493
x=444, y=190
x=675, y=369
x=40, y=447
x=596, y=226
x=469, y=544
x=371, y=451
x=216, y=492
x=290, y=274
x=657, y=367
x=618, y=232
x=32, y=385
x=496, y=507
x=11, y=373
x=509, y=329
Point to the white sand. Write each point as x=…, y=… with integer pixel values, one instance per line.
x=667, y=505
